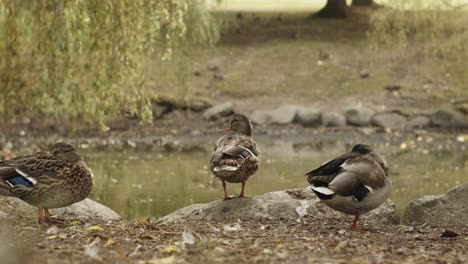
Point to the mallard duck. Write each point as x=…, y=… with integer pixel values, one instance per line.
x=47, y=180
x=236, y=156
x=354, y=183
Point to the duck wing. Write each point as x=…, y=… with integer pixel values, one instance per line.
x=353, y=175
x=232, y=152
x=26, y=171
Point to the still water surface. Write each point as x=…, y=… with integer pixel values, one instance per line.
x=141, y=184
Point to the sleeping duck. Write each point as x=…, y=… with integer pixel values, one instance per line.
x=47, y=179
x=236, y=156
x=354, y=183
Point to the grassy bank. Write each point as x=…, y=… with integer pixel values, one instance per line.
x=318, y=61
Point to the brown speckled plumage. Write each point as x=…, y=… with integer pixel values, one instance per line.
x=236, y=156
x=56, y=179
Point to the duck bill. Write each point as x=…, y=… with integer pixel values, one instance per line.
x=225, y=129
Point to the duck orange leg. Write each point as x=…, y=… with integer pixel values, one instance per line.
x=48, y=216
x=356, y=217
x=242, y=191
x=226, y=197
x=40, y=214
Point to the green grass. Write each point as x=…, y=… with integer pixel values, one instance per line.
x=276, y=61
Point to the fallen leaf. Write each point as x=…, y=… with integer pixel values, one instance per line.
x=109, y=242
x=95, y=227
x=76, y=222
x=170, y=250
x=52, y=237
x=341, y=245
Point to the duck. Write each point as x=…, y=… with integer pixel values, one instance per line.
x=236, y=155
x=354, y=183
x=47, y=180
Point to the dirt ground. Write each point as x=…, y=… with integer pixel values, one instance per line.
x=238, y=241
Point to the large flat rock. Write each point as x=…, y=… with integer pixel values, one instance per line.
x=84, y=209
x=450, y=209
x=288, y=204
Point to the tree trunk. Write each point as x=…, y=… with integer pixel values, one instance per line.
x=335, y=9
x=362, y=2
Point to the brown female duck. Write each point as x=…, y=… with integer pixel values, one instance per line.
x=47, y=180
x=236, y=156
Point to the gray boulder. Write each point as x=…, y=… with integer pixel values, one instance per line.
x=359, y=115
x=84, y=209
x=308, y=117
x=333, y=119
x=419, y=122
x=389, y=120
x=218, y=111
x=261, y=117
x=448, y=118
x=449, y=209
x=289, y=204
x=385, y=214
x=281, y=116
x=198, y=105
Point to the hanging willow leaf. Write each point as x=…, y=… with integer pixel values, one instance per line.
x=86, y=58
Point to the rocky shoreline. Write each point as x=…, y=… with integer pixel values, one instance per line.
x=356, y=115
x=280, y=227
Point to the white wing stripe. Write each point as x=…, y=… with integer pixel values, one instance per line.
x=323, y=190
x=31, y=179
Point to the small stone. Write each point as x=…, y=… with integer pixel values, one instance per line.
x=218, y=75
x=218, y=111
x=448, y=118
x=281, y=116
x=260, y=117
x=309, y=117
x=359, y=115
x=213, y=67
x=419, y=122
x=389, y=120
x=198, y=105
x=449, y=233
x=333, y=119
x=364, y=73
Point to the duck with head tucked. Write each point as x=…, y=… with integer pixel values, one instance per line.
x=47, y=179
x=354, y=183
x=236, y=156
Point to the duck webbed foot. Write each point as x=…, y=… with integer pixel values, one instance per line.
x=356, y=218
x=49, y=219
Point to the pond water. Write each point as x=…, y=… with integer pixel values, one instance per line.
x=141, y=184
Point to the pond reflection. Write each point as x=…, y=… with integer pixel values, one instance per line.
x=141, y=184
